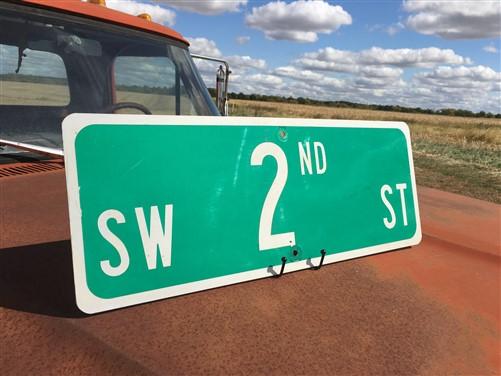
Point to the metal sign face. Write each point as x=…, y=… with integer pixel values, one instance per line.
x=167, y=205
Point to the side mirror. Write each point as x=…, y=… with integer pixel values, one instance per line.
x=221, y=91
x=222, y=78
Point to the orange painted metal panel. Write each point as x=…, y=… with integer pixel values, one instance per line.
x=102, y=13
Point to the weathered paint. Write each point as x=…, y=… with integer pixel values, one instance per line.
x=431, y=310
x=108, y=15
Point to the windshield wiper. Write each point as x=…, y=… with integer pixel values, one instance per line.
x=51, y=152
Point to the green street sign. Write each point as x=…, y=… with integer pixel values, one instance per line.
x=167, y=205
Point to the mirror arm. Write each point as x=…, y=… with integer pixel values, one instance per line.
x=227, y=74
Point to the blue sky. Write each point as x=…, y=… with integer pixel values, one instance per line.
x=415, y=53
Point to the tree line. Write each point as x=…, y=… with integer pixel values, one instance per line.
x=347, y=104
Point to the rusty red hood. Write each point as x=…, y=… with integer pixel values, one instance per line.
x=431, y=309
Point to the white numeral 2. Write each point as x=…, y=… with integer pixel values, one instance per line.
x=267, y=240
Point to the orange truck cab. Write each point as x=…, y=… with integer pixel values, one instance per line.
x=67, y=56
x=61, y=57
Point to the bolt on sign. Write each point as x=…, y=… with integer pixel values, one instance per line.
x=168, y=205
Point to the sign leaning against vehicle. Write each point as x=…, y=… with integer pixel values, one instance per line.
x=167, y=205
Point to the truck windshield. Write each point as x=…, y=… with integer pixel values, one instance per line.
x=53, y=64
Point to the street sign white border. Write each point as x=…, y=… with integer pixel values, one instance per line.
x=90, y=303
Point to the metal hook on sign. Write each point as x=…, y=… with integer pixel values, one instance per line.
x=321, y=260
x=284, y=260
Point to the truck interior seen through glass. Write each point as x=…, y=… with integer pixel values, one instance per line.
x=53, y=65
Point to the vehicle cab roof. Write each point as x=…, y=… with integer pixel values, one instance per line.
x=102, y=13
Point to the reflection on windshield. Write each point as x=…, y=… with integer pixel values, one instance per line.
x=51, y=67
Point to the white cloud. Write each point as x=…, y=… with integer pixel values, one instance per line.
x=264, y=79
x=379, y=72
x=376, y=83
x=244, y=68
x=239, y=63
x=309, y=78
x=356, y=87
x=475, y=88
x=204, y=46
x=331, y=59
x=298, y=21
x=286, y=81
x=242, y=40
x=318, y=78
x=158, y=13
x=490, y=48
x=441, y=78
x=207, y=47
x=406, y=57
x=462, y=77
x=257, y=83
x=207, y=7
x=302, y=75
x=472, y=88
x=455, y=19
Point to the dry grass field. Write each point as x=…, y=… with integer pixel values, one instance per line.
x=35, y=94
x=456, y=154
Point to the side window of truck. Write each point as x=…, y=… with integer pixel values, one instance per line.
x=40, y=79
x=152, y=82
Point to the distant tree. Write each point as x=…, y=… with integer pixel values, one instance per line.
x=366, y=106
